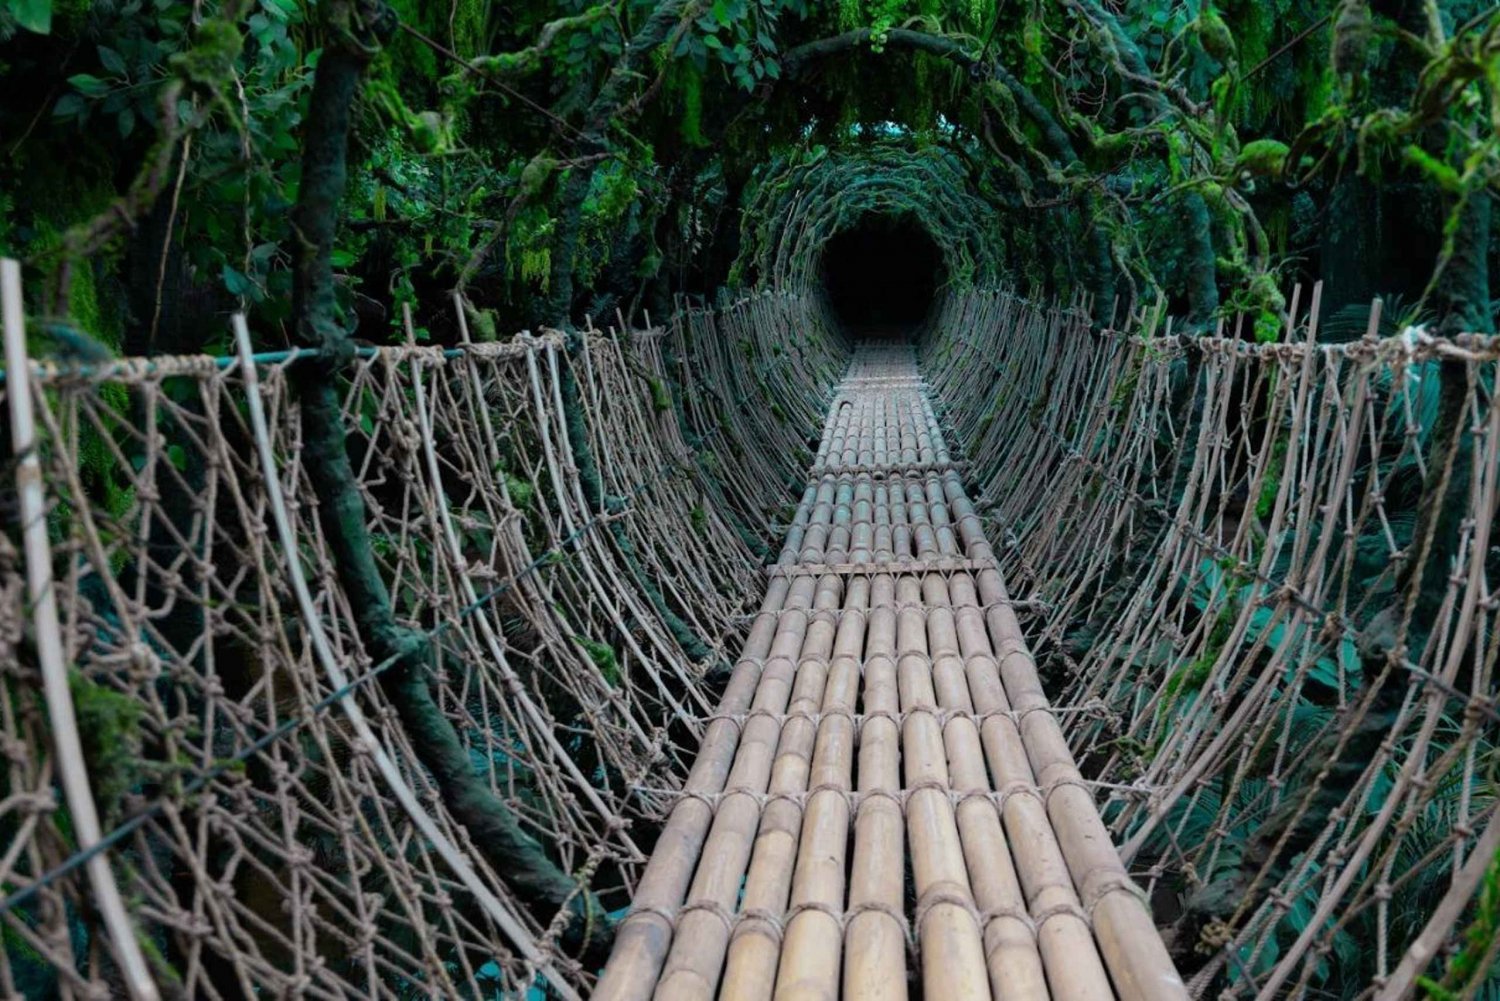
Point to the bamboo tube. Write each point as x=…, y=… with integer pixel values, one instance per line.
x=1011, y=953
x=874, y=941
x=642, y=941
x=812, y=939
x=862, y=533
x=884, y=546
x=952, y=952
x=693, y=966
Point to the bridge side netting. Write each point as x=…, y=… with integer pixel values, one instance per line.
x=1264, y=584
x=572, y=522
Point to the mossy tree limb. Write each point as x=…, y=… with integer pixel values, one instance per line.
x=357, y=28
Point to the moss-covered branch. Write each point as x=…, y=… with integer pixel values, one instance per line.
x=357, y=28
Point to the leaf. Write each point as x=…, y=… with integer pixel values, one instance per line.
x=89, y=85
x=33, y=15
x=68, y=106
x=113, y=61
x=237, y=282
x=712, y=42
x=125, y=122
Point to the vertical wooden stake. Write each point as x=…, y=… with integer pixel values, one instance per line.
x=40, y=587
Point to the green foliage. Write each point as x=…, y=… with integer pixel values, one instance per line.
x=603, y=656
x=109, y=726
x=521, y=492
x=661, y=399
x=30, y=15
x=1474, y=962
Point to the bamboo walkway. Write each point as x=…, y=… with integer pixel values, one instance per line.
x=884, y=787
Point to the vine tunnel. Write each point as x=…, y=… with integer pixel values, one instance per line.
x=812, y=630
x=933, y=617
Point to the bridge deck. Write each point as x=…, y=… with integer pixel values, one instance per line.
x=884, y=787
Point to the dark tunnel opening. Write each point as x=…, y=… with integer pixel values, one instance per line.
x=882, y=276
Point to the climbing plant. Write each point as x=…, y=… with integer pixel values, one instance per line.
x=322, y=164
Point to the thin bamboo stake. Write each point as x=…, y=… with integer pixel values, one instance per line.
x=41, y=590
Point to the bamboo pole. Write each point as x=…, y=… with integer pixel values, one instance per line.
x=692, y=968
x=875, y=939
x=948, y=930
x=642, y=941
x=41, y=591
x=789, y=839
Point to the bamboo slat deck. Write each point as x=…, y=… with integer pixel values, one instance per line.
x=884, y=803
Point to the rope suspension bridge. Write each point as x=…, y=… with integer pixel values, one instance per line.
x=1090, y=653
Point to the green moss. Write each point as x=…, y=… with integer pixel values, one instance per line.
x=1263, y=158
x=699, y=519
x=603, y=656
x=109, y=725
x=1217, y=39
x=469, y=19
x=1271, y=486
x=1467, y=969
x=521, y=492
x=661, y=400
x=1267, y=328
x=1436, y=170
x=1124, y=390
x=691, y=84
x=483, y=326
x=1192, y=676
x=209, y=64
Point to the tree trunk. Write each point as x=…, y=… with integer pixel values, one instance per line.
x=358, y=27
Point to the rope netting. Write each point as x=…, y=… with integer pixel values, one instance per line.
x=1265, y=576
x=270, y=806
x=1258, y=580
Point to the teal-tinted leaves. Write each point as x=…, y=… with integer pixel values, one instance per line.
x=33, y=15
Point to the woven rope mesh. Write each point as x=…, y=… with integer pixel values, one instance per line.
x=1259, y=588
